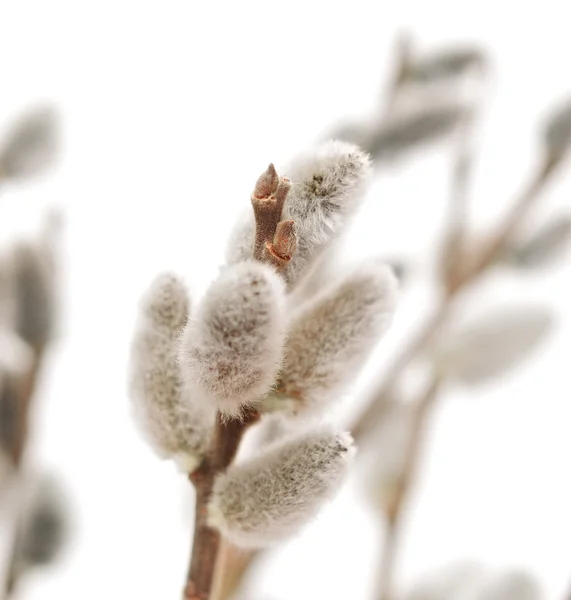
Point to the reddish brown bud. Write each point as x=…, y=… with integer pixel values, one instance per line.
x=285, y=240
x=267, y=183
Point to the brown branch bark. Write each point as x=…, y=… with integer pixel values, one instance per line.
x=19, y=395
x=454, y=238
x=233, y=565
x=24, y=392
x=394, y=510
x=206, y=541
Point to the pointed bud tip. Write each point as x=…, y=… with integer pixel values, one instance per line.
x=267, y=183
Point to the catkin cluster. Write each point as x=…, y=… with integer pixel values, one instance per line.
x=244, y=347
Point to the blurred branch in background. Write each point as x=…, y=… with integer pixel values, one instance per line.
x=28, y=298
x=432, y=98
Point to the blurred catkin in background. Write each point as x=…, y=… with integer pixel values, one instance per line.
x=416, y=121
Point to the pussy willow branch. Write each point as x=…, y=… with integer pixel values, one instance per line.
x=394, y=509
x=465, y=275
x=271, y=238
x=474, y=269
x=454, y=236
x=206, y=541
x=234, y=563
x=22, y=395
x=23, y=399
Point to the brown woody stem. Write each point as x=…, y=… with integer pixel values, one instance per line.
x=20, y=394
x=453, y=245
x=233, y=567
x=206, y=542
x=24, y=393
x=393, y=511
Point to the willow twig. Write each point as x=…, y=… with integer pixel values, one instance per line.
x=274, y=243
x=206, y=541
x=455, y=233
x=400, y=492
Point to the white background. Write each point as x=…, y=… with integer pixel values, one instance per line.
x=170, y=111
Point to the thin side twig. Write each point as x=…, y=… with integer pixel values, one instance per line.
x=233, y=565
x=401, y=62
x=23, y=392
x=24, y=395
x=454, y=238
x=393, y=511
x=521, y=207
x=468, y=272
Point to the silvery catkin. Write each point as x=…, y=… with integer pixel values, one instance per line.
x=231, y=349
x=332, y=336
x=175, y=423
x=268, y=498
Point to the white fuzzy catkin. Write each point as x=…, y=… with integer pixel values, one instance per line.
x=231, y=349
x=445, y=65
x=493, y=344
x=557, y=130
x=328, y=183
x=271, y=429
x=510, y=585
x=176, y=425
x=268, y=498
x=332, y=336
x=31, y=145
x=35, y=292
x=544, y=247
x=456, y=581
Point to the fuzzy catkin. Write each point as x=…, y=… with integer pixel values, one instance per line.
x=328, y=183
x=43, y=527
x=31, y=144
x=35, y=294
x=268, y=498
x=231, y=349
x=332, y=335
x=176, y=425
x=511, y=585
